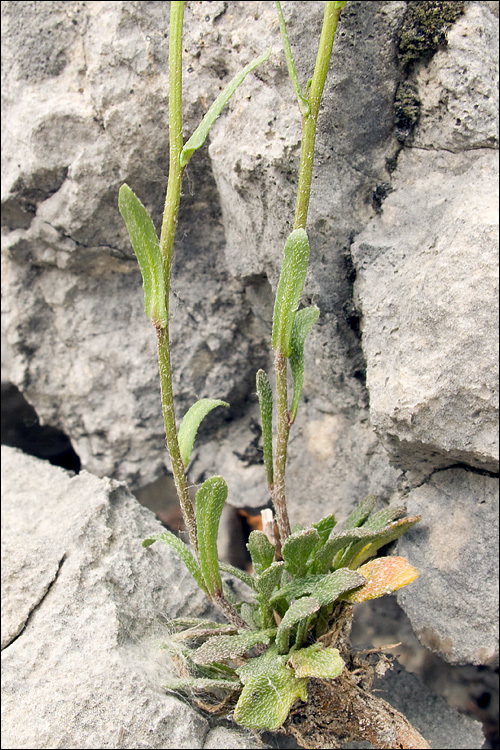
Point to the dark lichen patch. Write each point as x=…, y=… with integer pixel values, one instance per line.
x=406, y=110
x=425, y=28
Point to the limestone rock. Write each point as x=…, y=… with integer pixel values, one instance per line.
x=453, y=604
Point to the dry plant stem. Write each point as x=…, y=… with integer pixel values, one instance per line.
x=309, y=122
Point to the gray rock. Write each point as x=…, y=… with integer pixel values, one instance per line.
x=84, y=633
x=427, y=290
x=453, y=604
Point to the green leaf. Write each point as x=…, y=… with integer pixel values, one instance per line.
x=147, y=250
x=201, y=683
x=360, y=513
x=384, y=575
x=265, y=395
x=325, y=588
x=304, y=105
x=261, y=551
x=210, y=500
x=268, y=580
x=316, y=661
x=299, y=610
x=302, y=324
x=237, y=573
x=231, y=646
x=379, y=520
x=298, y=549
x=271, y=688
x=325, y=527
x=288, y=293
x=389, y=534
x=199, y=633
x=190, y=423
x=324, y=557
x=182, y=550
x=198, y=138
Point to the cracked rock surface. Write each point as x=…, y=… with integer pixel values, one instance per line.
x=400, y=395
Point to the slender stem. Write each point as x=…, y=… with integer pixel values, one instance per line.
x=309, y=122
x=279, y=498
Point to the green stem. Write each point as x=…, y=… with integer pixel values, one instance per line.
x=309, y=122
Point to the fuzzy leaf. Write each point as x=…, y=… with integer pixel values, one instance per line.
x=298, y=549
x=199, y=136
x=325, y=527
x=379, y=520
x=302, y=324
x=201, y=683
x=147, y=251
x=385, y=575
x=210, y=500
x=191, y=422
x=266, y=582
x=360, y=553
x=324, y=557
x=325, y=588
x=261, y=551
x=237, y=573
x=183, y=551
x=265, y=395
x=230, y=646
x=199, y=632
x=316, y=661
x=288, y=293
x=299, y=610
x=392, y=532
x=271, y=688
x=360, y=513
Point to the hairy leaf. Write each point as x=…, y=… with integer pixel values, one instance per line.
x=302, y=324
x=271, y=688
x=201, y=683
x=147, y=250
x=298, y=549
x=261, y=551
x=210, y=500
x=325, y=527
x=230, y=646
x=361, y=551
x=299, y=610
x=290, y=285
x=384, y=576
x=360, y=513
x=183, y=551
x=265, y=395
x=191, y=422
x=325, y=588
x=237, y=573
x=379, y=520
x=316, y=661
x=199, y=136
x=324, y=557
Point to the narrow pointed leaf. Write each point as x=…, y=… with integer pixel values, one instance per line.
x=302, y=324
x=199, y=136
x=265, y=395
x=147, y=250
x=191, y=422
x=271, y=688
x=299, y=610
x=210, y=500
x=392, y=532
x=201, y=683
x=325, y=527
x=182, y=550
x=230, y=646
x=316, y=661
x=237, y=573
x=298, y=549
x=379, y=520
x=288, y=293
x=384, y=576
x=325, y=556
x=360, y=513
x=325, y=588
x=261, y=551
x=203, y=633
